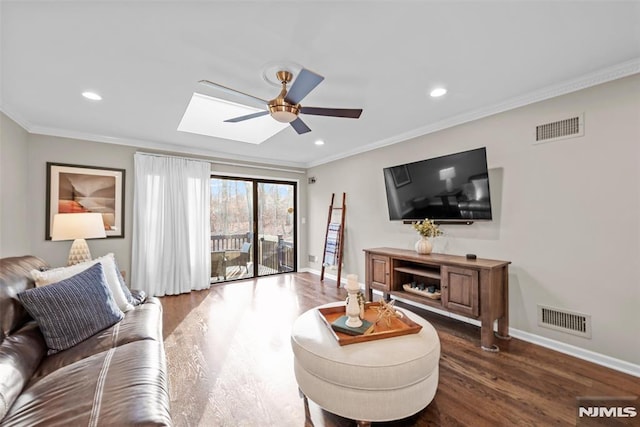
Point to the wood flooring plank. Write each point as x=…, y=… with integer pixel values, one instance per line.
x=230, y=364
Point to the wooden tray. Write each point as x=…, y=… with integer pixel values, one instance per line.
x=399, y=325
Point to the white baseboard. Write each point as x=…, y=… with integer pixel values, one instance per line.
x=343, y=279
x=580, y=353
x=571, y=350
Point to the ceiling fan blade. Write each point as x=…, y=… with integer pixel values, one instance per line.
x=304, y=83
x=350, y=113
x=300, y=126
x=253, y=100
x=247, y=117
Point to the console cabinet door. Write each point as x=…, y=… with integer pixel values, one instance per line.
x=460, y=290
x=379, y=271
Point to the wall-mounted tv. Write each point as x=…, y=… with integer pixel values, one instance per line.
x=454, y=187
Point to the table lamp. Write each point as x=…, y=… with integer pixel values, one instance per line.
x=447, y=175
x=78, y=227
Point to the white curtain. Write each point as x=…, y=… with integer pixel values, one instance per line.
x=171, y=225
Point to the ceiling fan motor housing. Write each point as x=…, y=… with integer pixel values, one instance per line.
x=284, y=76
x=280, y=109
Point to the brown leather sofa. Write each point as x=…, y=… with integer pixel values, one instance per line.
x=116, y=377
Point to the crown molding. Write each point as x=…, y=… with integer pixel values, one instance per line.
x=21, y=121
x=245, y=161
x=604, y=75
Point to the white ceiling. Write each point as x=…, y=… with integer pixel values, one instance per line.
x=145, y=59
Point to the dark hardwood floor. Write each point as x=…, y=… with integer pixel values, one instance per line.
x=230, y=364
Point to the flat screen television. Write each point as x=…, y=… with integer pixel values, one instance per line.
x=454, y=187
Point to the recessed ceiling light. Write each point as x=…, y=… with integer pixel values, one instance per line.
x=319, y=142
x=92, y=96
x=438, y=92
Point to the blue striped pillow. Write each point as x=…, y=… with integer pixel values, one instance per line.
x=73, y=309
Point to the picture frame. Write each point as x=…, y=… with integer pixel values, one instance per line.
x=400, y=175
x=76, y=189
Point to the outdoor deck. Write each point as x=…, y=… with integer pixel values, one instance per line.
x=232, y=256
x=237, y=272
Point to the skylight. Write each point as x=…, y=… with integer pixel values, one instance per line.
x=205, y=115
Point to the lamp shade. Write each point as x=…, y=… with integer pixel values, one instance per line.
x=447, y=173
x=78, y=226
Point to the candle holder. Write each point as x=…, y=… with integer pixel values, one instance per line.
x=353, y=306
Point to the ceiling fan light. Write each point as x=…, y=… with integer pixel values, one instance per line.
x=282, y=111
x=284, y=116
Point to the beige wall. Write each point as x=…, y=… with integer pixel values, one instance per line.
x=566, y=213
x=14, y=173
x=43, y=149
x=24, y=179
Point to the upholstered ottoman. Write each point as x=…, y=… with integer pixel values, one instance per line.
x=381, y=380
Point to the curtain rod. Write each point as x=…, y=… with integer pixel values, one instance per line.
x=218, y=162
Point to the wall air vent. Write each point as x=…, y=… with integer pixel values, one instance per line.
x=565, y=321
x=561, y=129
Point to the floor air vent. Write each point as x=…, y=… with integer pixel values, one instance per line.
x=567, y=128
x=565, y=321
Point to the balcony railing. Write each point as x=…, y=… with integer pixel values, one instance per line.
x=228, y=242
x=274, y=252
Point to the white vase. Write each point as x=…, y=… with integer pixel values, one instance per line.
x=423, y=246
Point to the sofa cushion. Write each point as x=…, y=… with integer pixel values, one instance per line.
x=14, y=278
x=20, y=354
x=111, y=272
x=21, y=343
x=72, y=310
x=126, y=385
x=142, y=323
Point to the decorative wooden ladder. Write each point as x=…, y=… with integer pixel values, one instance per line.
x=334, y=234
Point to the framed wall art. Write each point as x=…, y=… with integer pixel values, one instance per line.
x=76, y=189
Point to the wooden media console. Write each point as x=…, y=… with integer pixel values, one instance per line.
x=478, y=289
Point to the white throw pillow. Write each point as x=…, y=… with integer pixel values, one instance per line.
x=108, y=261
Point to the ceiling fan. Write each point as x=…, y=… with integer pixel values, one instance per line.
x=286, y=106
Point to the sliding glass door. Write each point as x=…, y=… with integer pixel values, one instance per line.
x=232, y=221
x=252, y=219
x=276, y=227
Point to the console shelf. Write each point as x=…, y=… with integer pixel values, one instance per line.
x=478, y=289
x=419, y=272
